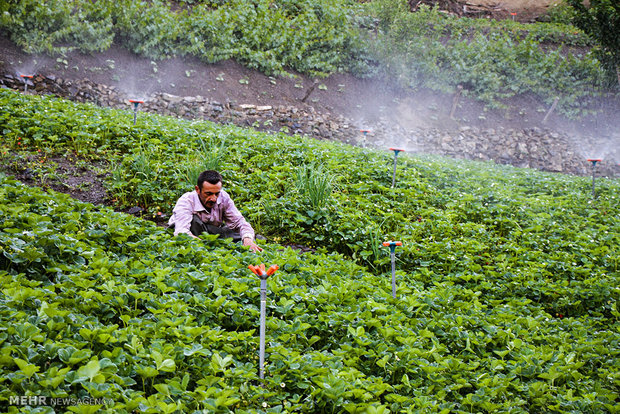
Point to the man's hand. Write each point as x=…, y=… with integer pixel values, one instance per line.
x=247, y=241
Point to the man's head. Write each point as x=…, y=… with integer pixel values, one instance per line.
x=208, y=187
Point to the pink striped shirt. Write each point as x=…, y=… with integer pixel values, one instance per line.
x=223, y=212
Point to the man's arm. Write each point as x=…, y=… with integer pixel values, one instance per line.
x=182, y=215
x=235, y=220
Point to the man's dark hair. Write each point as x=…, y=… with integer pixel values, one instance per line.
x=210, y=176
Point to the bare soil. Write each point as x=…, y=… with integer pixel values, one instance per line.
x=519, y=10
x=339, y=94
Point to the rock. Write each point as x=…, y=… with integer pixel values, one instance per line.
x=532, y=147
x=135, y=210
x=171, y=98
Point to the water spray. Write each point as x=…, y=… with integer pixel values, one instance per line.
x=392, y=245
x=396, y=151
x=263, y=275
x=594, y=161
x=135, y=103
x=25, y=79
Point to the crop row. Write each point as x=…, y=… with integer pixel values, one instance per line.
x=96, y=304
x=515, y=226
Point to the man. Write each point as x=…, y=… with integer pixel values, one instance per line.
x=207, y=209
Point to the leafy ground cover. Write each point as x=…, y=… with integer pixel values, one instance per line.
x=507, y=282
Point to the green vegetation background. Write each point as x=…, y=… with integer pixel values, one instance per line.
x=492, y=60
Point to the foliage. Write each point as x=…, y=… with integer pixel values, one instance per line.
x=314, y=184
x=47, y=27
x=146, y=28
x=309, y=36
x=507, y=279
x=492, y=60
x=601, y=21
x=561, y=12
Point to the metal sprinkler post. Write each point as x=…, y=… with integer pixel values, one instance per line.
x=392, y=245
x=25, y=78
x=365, y=132
x=396, y=151
x=263, y=275
x=594, y=161
x=135, y=103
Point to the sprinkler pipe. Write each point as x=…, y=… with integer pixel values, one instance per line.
x=263, y=275
x=392, y=245
x=365, y=132
x=25, y=77
x=594, y=161
x=396, y=151
x=135, y=103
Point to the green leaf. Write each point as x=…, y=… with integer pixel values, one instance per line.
x=27, y=369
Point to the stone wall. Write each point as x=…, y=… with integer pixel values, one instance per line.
x=533, y=148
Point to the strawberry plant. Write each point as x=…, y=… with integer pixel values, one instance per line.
x=507, y=293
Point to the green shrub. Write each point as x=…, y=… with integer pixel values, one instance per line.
x=57, y=26
x=493, y=61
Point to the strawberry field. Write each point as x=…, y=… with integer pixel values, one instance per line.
x=507, y=281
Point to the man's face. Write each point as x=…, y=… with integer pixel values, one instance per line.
x=209, y=193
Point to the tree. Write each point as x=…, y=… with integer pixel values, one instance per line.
x=601, y=21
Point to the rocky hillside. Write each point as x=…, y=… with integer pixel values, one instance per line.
x=532, y=147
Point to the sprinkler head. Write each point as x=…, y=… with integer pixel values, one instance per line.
x=260, y=270
x=25, y=78
x=392, y=245
x=365, y=131
x=136, y=102
x=396, y=151
x=594, y=160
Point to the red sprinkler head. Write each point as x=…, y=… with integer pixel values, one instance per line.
x=24, y=77
x=397, y=150
x=260, y=270
x=392, y=245
x=365, y=131
x=135, y=103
